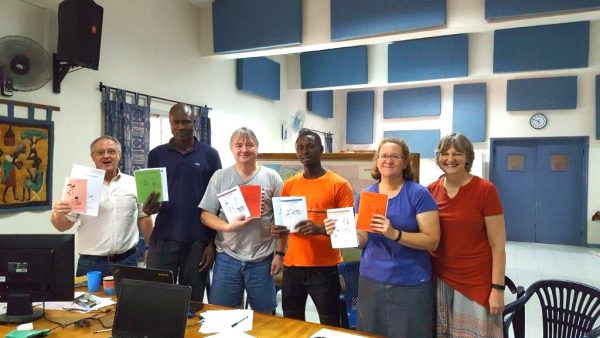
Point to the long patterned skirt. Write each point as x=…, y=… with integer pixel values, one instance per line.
x=459, y=316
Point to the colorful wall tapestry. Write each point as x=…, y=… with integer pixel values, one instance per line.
x=25, y=164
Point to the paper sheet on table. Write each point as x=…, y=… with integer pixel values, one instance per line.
x=217, y=321
x=327, y=333
x=232, y=333
x=95, y=179
x=102, y=302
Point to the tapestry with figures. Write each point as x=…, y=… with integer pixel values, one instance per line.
x=25, y=164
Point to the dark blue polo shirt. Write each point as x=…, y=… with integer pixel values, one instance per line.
x=187, y=176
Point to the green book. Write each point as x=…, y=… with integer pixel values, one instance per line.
x=150, y=180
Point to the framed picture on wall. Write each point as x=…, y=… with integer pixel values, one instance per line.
x=25, y=164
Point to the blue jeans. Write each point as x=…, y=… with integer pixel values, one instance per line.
x=232, y=276
x=321, y=283
x=86, y=264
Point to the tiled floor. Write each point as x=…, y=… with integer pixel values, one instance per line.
x=527, y=263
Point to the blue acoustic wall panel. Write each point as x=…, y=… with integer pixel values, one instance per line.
x=468, y=116
x=419, y=141
x=431, y=58
x=359, y=117
x=426, y=101
x=255, y=24
x=334, y=67
x=597, y=107
x=359, y=18
x=542, y=47
x=320, y=102
x=501, y=9
x=259, y=76
x=547, y=93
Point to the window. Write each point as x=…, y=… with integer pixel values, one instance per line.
x=160, y=130
x=515, y=162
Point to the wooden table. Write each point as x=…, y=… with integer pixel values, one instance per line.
x=262, y=326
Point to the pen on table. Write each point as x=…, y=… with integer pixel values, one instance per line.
x=103, y=330
x=239, y=321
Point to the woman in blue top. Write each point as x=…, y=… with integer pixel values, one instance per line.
x=395, y=293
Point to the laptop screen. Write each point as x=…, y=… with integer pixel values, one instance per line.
x=121, y=272
x=148, y=309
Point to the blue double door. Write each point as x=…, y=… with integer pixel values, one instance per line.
x=543, y=186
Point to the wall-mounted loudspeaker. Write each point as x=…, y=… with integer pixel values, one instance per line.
x=79, y=33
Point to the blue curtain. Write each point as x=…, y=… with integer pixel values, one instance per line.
x=328, y=143
x=202, y=124
x=130, y=124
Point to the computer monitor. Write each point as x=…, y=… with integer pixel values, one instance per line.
x=35, y=268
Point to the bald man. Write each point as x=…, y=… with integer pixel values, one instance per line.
x=180, y=242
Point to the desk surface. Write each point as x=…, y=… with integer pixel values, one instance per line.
x=262, y=326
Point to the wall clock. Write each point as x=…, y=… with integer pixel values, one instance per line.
x=538, y=121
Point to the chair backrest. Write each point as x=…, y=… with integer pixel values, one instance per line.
x=350, y=272
x=569, y=309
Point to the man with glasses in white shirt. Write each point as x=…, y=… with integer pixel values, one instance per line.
x=112, y=236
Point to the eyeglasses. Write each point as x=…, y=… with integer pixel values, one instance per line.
x=392, y=157
x=101, y=152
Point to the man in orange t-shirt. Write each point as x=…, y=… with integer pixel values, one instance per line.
x=310, y=265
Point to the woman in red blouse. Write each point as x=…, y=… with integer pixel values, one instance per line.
x=470, y=260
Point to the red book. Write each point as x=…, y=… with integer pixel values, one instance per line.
x=253, y=198
x=370, y=203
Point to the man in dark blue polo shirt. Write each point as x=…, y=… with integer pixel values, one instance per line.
x=180, y=242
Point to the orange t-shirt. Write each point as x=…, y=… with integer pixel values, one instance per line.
x=463, y=258
x=326, y=192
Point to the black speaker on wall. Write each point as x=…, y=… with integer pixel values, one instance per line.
x=79, y=33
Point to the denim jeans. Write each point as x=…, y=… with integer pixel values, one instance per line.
x=85, y=264
x=323, y=286
x=182, y=259
x=232, y=276
x=395, y=311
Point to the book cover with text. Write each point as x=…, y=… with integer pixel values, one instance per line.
x=371, y=203
x=75, y=193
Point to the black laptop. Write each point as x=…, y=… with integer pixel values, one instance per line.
x=121, y=272
x=151, y=310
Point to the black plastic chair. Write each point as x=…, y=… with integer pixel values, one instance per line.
x=517, y=318
x=349, y=297
x=569, y=309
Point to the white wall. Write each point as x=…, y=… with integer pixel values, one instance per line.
x=148, y=46
x=164, y=48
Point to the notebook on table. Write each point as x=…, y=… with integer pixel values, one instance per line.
x=149, y=309
x=121, y=272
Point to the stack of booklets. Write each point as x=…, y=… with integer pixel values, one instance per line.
x=243, y=200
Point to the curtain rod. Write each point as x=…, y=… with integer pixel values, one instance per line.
x=318, y=131
x=101, y=87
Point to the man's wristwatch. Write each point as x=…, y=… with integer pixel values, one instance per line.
x=280, y=253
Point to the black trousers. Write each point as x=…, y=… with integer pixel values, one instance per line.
x=323, y=286
x=182, y=259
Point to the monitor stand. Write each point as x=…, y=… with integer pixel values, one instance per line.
x=19, y=310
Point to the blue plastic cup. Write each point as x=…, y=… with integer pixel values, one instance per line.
x=94, y=279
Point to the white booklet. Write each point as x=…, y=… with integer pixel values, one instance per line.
x=344, y=234
x=95, y=179
x=289, y=211
x=233, y=203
